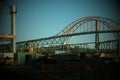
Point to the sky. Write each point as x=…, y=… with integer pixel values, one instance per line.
x=43, y=18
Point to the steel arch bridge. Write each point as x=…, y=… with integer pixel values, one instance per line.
x=83, y=26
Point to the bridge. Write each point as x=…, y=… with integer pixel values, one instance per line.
x=66, y=39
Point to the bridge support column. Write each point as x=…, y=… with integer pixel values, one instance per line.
x=97, y=27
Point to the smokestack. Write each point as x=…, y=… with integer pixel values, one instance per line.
x=13, y=26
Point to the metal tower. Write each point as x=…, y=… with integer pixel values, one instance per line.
x=11, y=37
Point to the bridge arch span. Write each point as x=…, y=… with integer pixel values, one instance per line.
x=91, y=24
x=107, y=23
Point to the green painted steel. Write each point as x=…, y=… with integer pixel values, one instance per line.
x=24, y=58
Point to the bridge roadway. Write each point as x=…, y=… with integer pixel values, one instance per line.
x=69, y=35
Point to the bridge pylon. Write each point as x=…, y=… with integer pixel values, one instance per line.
x=97, y=27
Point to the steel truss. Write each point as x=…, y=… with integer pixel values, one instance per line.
x=83, y=26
